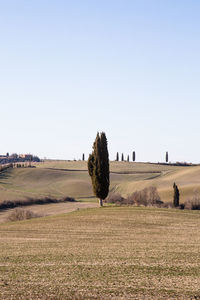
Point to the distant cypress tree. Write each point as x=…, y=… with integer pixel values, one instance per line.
x=133, y=155
x=98, y=167
x=128, y=158
x=83, y=157
x=166, y=157
x=122, y=159
x=117, y=156
x=176, y=195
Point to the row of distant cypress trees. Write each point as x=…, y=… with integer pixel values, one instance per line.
x=122, y=157
x=117, y=157
x=133, y=157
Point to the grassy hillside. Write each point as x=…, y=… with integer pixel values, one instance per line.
x=187, y=179
x=108, y=253
x=40, y=182
x=62, y=178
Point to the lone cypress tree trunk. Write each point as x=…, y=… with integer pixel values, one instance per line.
x=98, y=168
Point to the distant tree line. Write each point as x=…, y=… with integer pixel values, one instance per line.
x=14, y=158
x=122, y=157
x=5, y=166
x=128, y=158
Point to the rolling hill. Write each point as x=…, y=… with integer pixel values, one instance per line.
x=70, y=178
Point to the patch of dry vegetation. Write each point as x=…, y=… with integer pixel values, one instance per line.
x=107, y=253
x=51, y=209
x=146, y=197
x=19, y=214
x=150, y=197
x=193, y=202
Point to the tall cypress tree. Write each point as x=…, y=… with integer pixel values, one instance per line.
x=166, y=157
x=133, y=155
x=98, y=167
x=117, y=156
x=128, y=158
x=122, y=159
x=176, y=195
x=83, y=157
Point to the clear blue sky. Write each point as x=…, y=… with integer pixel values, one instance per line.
x=130, y=68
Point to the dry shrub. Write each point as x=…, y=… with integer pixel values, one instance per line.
x=193, y=203
x=19, y=214
x=147, y=197
x=114, y=198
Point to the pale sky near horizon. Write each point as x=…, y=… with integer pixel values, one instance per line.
x=130, y=68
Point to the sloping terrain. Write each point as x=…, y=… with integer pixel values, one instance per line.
x=70, y=178
x=187, y=179
x=50, y=209
x=104, y=253
x=43, y=182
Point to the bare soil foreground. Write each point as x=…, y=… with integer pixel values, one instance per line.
x=102, y=253
x=50, y=209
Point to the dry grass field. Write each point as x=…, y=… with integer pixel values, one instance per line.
x=70, y=178
x=99, y=253
x=102, y=253
x=50, y=209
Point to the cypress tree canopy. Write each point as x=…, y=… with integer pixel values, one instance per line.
x=166, y=157
x=117, y=156
x=133, y=155
x=176, y=195
x=98, y=167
